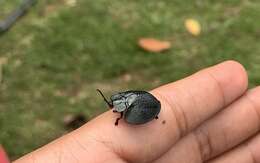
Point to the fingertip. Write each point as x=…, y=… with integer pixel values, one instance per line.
x=232, y=77
x=239, y=73
x=254, y=96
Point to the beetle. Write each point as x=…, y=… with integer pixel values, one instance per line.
x=135, y=107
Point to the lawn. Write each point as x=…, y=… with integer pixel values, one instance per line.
x=55, y=57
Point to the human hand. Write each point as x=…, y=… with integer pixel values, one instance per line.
x=209, y=117
x=3, y=156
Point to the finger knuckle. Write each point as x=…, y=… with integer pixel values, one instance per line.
x=204, y=143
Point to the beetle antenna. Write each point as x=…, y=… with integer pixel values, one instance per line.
x=108, y=103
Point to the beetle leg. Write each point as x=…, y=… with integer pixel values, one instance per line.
x=117, y=120
x=156, y=117
x=114, y=111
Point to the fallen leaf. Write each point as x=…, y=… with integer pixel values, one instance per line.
x=154, y=45
x=193, y=26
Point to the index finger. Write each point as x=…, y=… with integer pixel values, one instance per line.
x=185, y=105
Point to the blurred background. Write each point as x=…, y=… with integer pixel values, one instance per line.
x=53, y=58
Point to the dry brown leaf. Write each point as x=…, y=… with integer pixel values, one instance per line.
x=154, y=45
x=193, y=26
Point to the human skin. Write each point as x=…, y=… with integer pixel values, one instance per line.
x=3, y=157
x=210, y=116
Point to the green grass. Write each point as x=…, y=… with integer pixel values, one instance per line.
x=58, y=55
x=7, y=7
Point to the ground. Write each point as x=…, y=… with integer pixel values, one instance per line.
x=56, y=56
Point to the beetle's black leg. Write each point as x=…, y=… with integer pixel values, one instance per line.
x=114, y=111
x=156, y=117
x=108, y=103
x=117, y=120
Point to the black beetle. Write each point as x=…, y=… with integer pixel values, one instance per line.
x=136, y=107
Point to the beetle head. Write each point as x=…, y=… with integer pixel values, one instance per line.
x=119, y=102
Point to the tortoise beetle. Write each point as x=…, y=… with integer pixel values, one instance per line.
x=135, y=107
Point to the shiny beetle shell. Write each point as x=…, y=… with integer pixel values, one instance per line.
x=143, y=109
x=136, y=107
